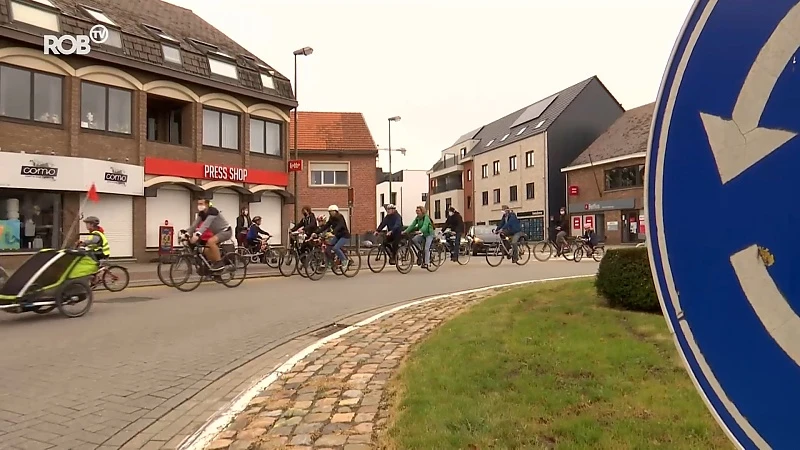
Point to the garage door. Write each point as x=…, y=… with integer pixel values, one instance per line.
x=116, y=218
x=174, y=204
x=270, y=209
x=227, y=202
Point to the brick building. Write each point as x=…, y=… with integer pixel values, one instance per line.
x=605, y=184
x=338, y=153
x=167, y=110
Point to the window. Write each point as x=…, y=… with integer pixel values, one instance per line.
x=424, y=196
x=448, y=202
x=490, y=143
x=30, y=95
x=32, y=220
x=171, y=54
x=504, y=137
x=437, y=209
x=512, y=163
x=469, y=202
x=393, y=198
x=105, y=108
x=485, y=198
x=625, y=177
x=463, y=152
x=469, y=174
x=160, y=33
x=165, y=120
x=383, y=215
x=512, y=193
x=529, y=159
x=496, y=167
x=383, y=199
x=40, y=18
x=265, y=137
x=521, y=130
x=45, y=2
x=220, y=129
x=485, y=171
x=114, y=38
x=529, y=191
x=539, y=125
x=496, y=195
x=99, y=16
x=222, y=68
x=330, y=174
x=267, y=81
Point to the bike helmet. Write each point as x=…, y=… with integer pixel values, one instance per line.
x=91, y=219
x=389, y=206
x=256, y=218
x=333, y=208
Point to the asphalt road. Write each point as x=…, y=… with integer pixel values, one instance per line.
x=148, y=366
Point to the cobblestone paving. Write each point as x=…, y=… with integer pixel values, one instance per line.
x=336, y=397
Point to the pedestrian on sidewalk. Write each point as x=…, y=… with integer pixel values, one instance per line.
x=243, y=223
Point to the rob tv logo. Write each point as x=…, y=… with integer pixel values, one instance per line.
x=77, y=45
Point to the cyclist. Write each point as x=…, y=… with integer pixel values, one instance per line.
x=393, y=222
x=455, y=223
x=254, y=234
x=590, y=236
x=308, y=224
x=341, y=235
x=510, y=226
x=561, y=240
x=422, y=224
x=97, y=243
x=209, y=218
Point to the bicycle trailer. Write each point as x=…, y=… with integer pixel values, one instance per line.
x=51, y=279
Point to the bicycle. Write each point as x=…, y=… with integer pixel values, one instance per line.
x=503, y=250
x=583, y=249
x=108, y=274
x=410, y=252
x=320, y=259
x=196, y=261
x=292, y=259
x=263, y=253
x=464, y=247
x=378, y=256
x=165, y=262
x=544, y=250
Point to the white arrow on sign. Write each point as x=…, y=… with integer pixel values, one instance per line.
x=767, y=301
x=740, y=143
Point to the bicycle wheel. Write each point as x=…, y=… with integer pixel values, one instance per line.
x=116, y=278
x=355, y=264
x=542, y=251
x=184, y=273
x=569, y=251
x=406, y=258
x=495, y=256
x=577, y=255
x=235, y=270
x=162, y=270
x=376, y=259
x=437, y=257
x=316, y=265
x=301, y=264
x=524, y=252
x=287, y=264
x=598, y=253
x=245, y=253
x=272, y=258
x=464, y=253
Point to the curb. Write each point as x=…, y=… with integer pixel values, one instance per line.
x=219, y=421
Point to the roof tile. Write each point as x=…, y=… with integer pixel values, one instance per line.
x=628, y=135
x=343, y=131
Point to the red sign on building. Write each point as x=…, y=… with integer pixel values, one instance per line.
x=573, y=190
x=295, y=165
x=576, y=223
x=188, y=169
x=588, y=221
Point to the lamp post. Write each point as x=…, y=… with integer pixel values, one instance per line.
x=305, y=51
x=391, y=119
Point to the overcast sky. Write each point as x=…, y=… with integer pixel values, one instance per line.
x=446, y=66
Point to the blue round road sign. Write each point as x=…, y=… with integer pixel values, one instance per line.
x=724, y=225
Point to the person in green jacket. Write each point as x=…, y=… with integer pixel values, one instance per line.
x=422, y=224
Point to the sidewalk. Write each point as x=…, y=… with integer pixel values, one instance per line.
x=336, y=397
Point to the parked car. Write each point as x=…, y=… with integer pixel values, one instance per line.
x=483, y=237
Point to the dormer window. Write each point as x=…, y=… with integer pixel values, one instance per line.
x=222, y=68
x=223, y=55
x=505, y=137
x=37, y=17
x=521, y=130
x=267, y=81
x=160, y=33
x=200, y=43
x=99, y=16
x=490, y=143
x=171, y=54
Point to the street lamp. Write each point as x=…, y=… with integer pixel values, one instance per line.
x=391, y=119
x=305, y=51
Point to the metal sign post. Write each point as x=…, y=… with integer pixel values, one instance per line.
x=723, y=142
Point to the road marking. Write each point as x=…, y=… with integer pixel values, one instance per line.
x=739, y=143
x=217, y=423
x=769, y=304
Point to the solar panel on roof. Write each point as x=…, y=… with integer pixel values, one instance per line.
x=534, y=111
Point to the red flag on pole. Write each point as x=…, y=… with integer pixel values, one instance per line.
x=92, y=194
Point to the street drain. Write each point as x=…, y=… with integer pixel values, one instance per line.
x=131, y=299
x=328, y=330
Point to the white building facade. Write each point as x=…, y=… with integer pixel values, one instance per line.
x=409, y=189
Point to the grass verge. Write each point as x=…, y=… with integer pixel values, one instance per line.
x=549, y=366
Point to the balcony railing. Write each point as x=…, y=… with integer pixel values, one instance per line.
x=448, y=161
x=445, y=187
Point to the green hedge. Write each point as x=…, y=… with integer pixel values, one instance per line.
x=625, y=280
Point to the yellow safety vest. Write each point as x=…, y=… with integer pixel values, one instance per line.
x=103, y=247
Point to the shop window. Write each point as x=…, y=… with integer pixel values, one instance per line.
x=265, y=137
x=29, y=95
x=29, y=220
x=330, y=174
x=624, y=177
x=106, y=108
x=165, y=119
x=220, y=129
